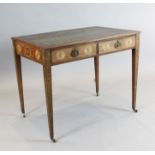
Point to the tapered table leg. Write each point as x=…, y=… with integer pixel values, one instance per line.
x=135, y=59
x=19, y=81
x=48, y=95
x=96, y=67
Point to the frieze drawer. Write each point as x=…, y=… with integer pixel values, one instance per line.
x=117, y=44
x=73, y=53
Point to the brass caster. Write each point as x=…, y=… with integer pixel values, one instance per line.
x=54, y=141
x=135, y=110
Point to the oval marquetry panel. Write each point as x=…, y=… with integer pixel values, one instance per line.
x=27, y=51
x=106, y=46
x=117, y=44
x=19, y=48
x=60, y=55
x=37, y=54
x=88, y=50
x=65, y=54
x=128, y=42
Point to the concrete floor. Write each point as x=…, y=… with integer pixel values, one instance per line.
x=82, y=120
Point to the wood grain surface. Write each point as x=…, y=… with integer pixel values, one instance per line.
x=74, y=36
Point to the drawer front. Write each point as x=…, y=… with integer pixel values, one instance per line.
x=28, y=51
x=117, y=44
x=73, y=53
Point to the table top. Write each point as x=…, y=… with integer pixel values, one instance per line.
x=74, y=36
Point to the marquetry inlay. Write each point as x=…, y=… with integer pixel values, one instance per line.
x=37, y=54
x=18, y=48
x=129, y=42
x=106, y=46
x=88, y=50
x=60, y=55
x=28, y=51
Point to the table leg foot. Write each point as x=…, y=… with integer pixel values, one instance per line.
x=134, y=109
x=97, y=94
x=53, y=140
x=24, y=115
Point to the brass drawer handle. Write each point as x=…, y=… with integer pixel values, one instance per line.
x=117, y=44
x=74, y=52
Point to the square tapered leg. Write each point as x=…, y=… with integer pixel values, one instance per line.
x=19, y=80
x=135, y=59
x=48, y=93
x=96, y=67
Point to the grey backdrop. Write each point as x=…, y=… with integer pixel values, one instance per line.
x=82, y=120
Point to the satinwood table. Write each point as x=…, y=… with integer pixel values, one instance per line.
x=60, y=47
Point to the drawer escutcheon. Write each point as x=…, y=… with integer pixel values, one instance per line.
x=74, y=53
x=117, y=44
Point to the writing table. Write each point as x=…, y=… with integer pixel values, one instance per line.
x=53, y=48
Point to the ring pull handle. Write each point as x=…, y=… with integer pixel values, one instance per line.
x=117, y=44
x=74, y=52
